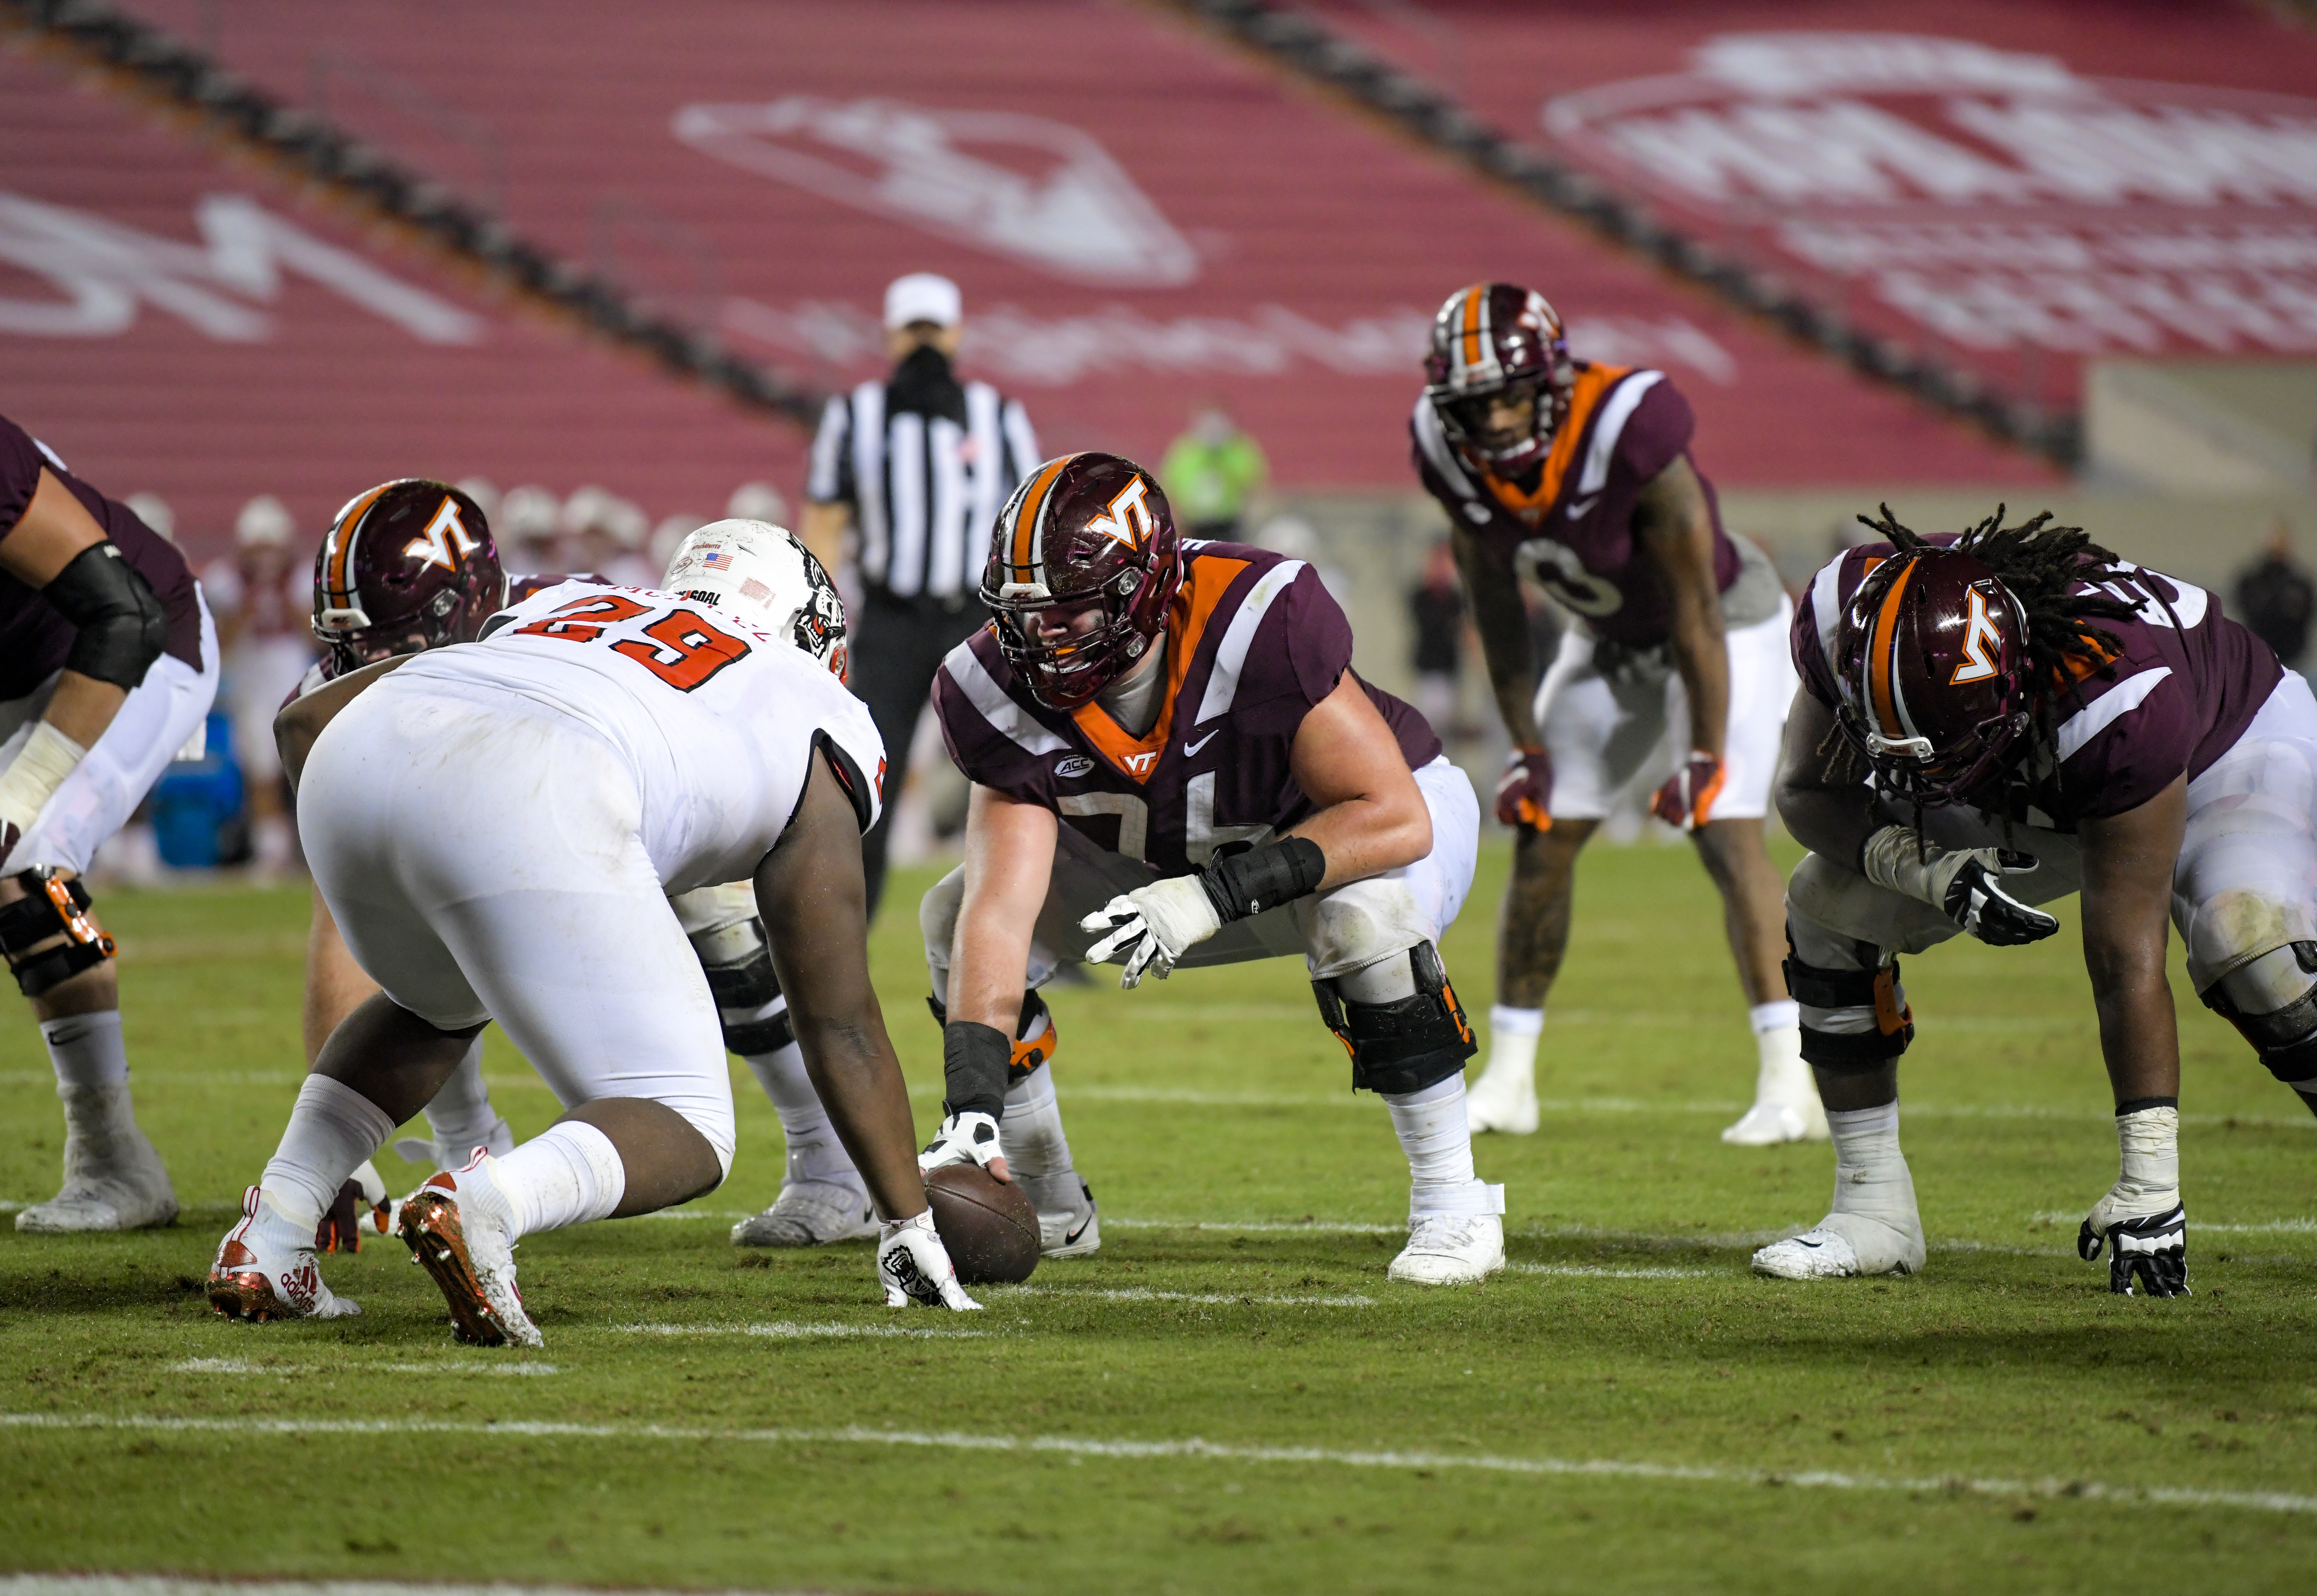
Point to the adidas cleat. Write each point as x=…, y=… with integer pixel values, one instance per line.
x=265, y=1270
x=467, y=1251
x=811, y=1214
x=1451, y=1250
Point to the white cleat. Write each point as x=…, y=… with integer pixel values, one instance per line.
x=114, y=1179
x=1503, y=1099
x=1070, y=1224
x=1843, y=1245
x=265, y=1270
x=811, y=1214
x=464, y=1246
x=1770, y=1124
x=1451, y=1250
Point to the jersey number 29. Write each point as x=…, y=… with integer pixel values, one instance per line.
x=684, y=649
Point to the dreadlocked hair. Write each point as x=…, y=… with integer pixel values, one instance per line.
x=2042, y=566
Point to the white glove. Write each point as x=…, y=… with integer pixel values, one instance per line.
x=1150, y=927
x=1965, y=886
x=914, y=1266
x=963, y=1138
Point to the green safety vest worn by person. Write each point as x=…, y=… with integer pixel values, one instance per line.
x=1210, y=482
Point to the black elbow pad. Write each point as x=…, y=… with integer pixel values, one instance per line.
x=121, y=627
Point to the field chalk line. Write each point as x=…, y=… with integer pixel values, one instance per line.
x=1192, y=1448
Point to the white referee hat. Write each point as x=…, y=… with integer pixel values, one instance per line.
x=923, y=296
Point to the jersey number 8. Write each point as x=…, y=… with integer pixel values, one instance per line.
x=683, y=651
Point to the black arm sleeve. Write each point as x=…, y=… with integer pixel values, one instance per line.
x=1264, y=878
x=121, y=624
x=974, y=1061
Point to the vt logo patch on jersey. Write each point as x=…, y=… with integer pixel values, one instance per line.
x=1129, y=521
x=1140, y=765
x=446, y=542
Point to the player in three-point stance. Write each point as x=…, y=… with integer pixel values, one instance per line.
x=1173, y=763
x=2039, y=717
x=403, y=573
x=108, y=665
x=1577, y=477
x=495, y=828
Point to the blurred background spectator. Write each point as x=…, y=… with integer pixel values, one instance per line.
x=1435, y=608
x=527, y=530
x=2275, y=597
x=262, y=596
x=1211, y=473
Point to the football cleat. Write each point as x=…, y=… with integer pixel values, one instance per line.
x=1451, y=1250
x=811, y=1214
x=466, y=1248
x=1503, y=1099
x=114, y=1179
x=1070, y=1224
x=265, y=1270
x=1842, y=1245
x=1768, y=1124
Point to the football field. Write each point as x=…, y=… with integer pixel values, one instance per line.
x=1230, y=1397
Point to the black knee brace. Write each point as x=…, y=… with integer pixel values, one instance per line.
x=2287, y=1037
x=51, y=907
x=1027, y=1056
x=1876, y=990
x=742, y=982
x=1404, y=1046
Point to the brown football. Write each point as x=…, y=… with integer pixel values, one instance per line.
x=988, y=1224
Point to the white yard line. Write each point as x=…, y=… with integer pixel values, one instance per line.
x=1192, y=1448
x=789, y=1330
x=1611, y=1272
x=239, y=1365
x=1143, y=1293
x=178, y=1585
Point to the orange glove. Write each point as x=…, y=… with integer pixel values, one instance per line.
x=1524, y=792
x=1686, y=799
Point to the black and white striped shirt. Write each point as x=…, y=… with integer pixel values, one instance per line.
x=925, y=463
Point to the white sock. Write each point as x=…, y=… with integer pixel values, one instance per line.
x=815, y=1153
x=332, y=1132
x=461, y=1117
x=1783, y=1077
x=1433, y=1133
x=1030, y=1132
x=569, y=1175
x=1512, y=1041
x=86, y=1048
x=1870, y=1173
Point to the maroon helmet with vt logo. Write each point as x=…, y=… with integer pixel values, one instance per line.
x=408, y=565
x=1494, y=340
x=1933, y=667
x=1082, y=566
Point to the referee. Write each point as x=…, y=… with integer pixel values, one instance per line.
x=919, y=465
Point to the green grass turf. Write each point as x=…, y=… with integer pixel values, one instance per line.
x=1628, y=1331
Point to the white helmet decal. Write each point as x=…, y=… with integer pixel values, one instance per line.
x=763, y=574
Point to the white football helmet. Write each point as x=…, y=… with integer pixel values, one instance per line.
x=762, y=574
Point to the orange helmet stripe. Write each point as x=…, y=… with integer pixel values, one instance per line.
x=1882, y=657
x=337, y=581
x=1476, y=299
x=1025, y=558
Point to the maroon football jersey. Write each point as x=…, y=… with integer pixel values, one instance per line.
x=2176, y=695
x=34, y=639
x=1253, y=642
x=1572, y=533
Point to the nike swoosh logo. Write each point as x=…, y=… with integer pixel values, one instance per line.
x=1071, y=1240
x=1814, y=1246
x=1583, y=507
x=1190, y=749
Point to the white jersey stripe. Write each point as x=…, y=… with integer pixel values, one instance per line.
x=1004, y=715
x=2107, y=710
x=1230, y=653
x=1616, y=412
x=905, y=454
x=1826, y=608
x=1442, y=459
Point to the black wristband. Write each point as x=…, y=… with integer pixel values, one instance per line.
x=1264, y=878
x=2135, y=1105
x=974, y=1061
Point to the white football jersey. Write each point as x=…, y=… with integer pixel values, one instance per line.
x=715, y=718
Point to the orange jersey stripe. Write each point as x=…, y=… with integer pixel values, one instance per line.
x=1205, y=579
x=1585, y=396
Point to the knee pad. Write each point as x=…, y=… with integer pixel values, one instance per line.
x=1853, y=1020
x=51, y=907
x=1408, y=1043
x=738, y=964
x=2272, y=1000
x=1035, y=1037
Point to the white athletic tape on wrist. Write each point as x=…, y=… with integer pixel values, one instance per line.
x=39, y=769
